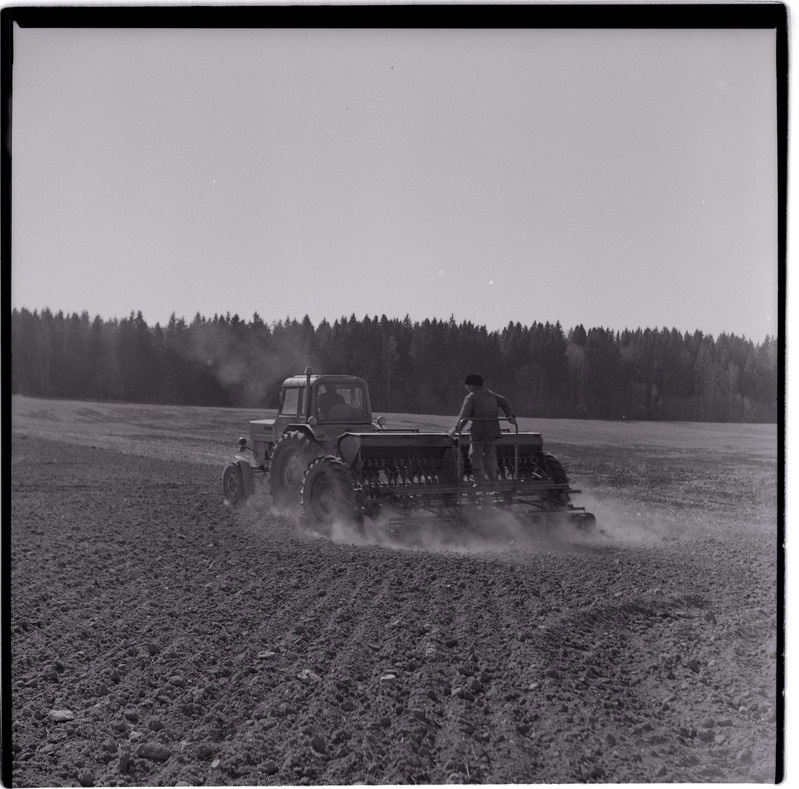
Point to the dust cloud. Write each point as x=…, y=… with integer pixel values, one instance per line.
x=484, y=530
x=629, y=524
x=496, y=531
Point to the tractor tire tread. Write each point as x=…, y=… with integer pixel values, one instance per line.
x=308, y=451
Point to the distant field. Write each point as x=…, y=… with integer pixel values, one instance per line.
x=125, y=419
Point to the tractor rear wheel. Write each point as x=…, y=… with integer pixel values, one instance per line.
x=291, y=456
x=233, y=486
x=558, y=475
x=328, y=495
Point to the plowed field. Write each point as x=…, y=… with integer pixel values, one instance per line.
x=161, y=639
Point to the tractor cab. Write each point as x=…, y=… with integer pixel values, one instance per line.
x=337, y=401
x=329, y=404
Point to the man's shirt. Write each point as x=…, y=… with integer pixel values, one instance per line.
x=482, y=404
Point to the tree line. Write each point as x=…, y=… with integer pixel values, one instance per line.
x=411, y=366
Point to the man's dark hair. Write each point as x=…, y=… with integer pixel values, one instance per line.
x=474, y=379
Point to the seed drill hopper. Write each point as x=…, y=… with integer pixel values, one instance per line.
x=324, y=456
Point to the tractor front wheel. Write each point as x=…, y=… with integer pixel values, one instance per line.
x=233, y=486
x=328, y=495
x=290, y=458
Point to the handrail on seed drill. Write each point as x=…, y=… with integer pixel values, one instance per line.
x=459, y=454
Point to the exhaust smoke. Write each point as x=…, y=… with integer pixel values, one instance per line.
x=249, y=370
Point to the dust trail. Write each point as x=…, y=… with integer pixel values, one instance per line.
x=491, y=530
x=619, y=524
x=632, y=523
x=483, y=531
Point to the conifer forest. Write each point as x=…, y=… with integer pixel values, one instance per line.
x=412, y=366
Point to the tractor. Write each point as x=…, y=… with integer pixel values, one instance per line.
x=328, y=459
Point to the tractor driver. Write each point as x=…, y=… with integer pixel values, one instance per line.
x=480, y=406
x=327, y=398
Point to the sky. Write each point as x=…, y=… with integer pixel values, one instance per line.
x=619, y=178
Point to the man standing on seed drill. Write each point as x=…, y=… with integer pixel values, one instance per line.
x=480, y=406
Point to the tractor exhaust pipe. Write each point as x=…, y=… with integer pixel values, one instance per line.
x=306, y=395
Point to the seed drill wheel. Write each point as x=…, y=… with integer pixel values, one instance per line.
x=233, y=486
x=328, y=494
x=291, y=457
x=585, y=521
x=556, y=474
